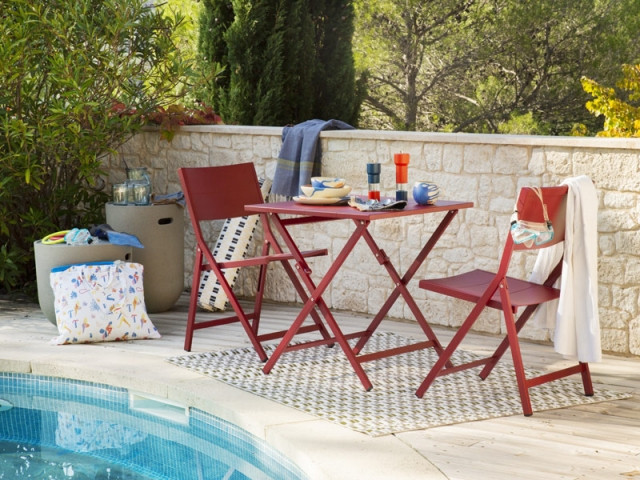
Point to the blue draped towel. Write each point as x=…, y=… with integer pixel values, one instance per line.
x=299, y=157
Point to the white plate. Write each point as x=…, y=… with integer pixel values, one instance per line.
x=319, y=200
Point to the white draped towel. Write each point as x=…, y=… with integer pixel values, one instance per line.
x=576, y=321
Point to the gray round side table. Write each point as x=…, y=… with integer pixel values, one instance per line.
x=160, y=228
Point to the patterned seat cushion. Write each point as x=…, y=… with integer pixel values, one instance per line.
x=232, y=244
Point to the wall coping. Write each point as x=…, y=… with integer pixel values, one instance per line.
x=432, y=137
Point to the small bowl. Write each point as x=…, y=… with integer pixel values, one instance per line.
x=327, y=182
x=312, y=192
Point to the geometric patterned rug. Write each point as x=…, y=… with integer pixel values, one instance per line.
x=320, y=381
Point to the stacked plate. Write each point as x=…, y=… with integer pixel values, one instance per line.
x=323, y=191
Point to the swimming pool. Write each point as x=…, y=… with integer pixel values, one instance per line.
x=52, y=428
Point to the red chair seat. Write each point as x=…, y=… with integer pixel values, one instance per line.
x=471, y=285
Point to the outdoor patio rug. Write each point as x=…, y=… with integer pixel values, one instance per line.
x=320, y=381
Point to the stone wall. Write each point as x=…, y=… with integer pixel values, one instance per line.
x=485, y=169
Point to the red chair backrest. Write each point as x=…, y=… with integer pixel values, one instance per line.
x=221, y=192
x=530, y=208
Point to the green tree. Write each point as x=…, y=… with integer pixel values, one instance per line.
x=620, y=109
x=287, y=60
x=215, y=18
x=412, y=53
x=76, y=81
x=334, y=73
x=534, y=56
x=284, y=92
x=478, y=65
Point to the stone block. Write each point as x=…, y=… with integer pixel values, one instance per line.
x=452, y=158
x=510, y=160
x=558, y=161
x=478, y=159
x=432, y=159
x=626, y=200
x=628, y=242
x=634, y=337
x=616, y=341
x=483, y=236
x=607, y=244
x=537, y=162
x=262, y=147
x=614, y=318
x=346, y=145
x=626, y=298
x=181, y=141
x=615, y=171
x=504, y=186
x=221, y=141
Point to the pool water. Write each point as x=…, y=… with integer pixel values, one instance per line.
x=53, y=428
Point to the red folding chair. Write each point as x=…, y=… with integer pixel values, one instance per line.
x=499, y=291
x=218, y=193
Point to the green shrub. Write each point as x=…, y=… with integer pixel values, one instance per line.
x=76, y=79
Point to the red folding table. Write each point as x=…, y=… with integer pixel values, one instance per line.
x=283, y=215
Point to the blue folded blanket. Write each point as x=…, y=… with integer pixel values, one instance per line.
x=299, y=157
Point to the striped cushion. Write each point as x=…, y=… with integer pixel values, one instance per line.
x=233, y=244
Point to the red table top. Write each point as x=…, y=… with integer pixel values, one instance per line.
x=347, y=212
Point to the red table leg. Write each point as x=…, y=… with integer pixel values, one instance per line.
x=315, y=298
x=401, y=284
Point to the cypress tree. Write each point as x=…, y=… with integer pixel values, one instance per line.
x=285, y=93
x=215, y=18
x=246, y=41
x=334, y=73
x=289, y=61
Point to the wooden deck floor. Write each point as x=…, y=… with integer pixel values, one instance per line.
x=595, y=442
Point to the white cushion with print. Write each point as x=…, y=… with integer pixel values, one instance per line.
x=232, y=244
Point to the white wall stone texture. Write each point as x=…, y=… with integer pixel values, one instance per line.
x=485, y=169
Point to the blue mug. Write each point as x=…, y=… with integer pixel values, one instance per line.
x=425, y=193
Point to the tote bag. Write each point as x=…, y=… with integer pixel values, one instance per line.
x=100, y=302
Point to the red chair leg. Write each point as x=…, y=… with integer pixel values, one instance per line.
x=193, y=300
x=586, y=379
x=502, y=348
x=440, y=367
x=516, y=354
x=242, y=317
x=522, y=319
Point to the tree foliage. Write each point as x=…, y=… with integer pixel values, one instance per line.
x=479, y=65
x=538, y=52
x=287, y=60
x=270, y=50
x=215, y=18
x=336, y=93
x=411, y=52
x=621, y=110
x=76, y=79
